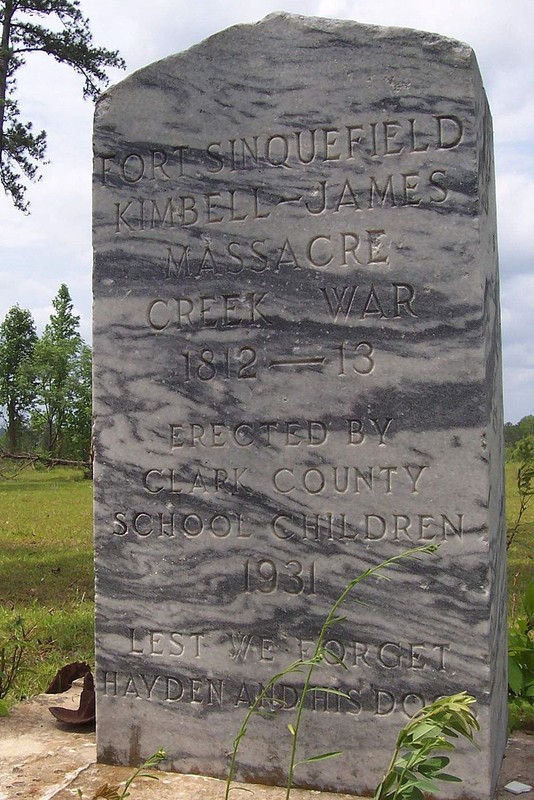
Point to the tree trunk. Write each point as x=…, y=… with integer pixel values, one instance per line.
x=4, y=68
x=12, y=427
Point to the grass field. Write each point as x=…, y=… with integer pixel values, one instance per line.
x=46, y=570
x=46, y=567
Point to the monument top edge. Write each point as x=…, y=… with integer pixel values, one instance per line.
x=334, y=23
x=460, y=53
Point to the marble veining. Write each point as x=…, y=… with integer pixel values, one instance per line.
x=297, y=375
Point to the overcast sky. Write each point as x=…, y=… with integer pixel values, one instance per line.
x=53, y=244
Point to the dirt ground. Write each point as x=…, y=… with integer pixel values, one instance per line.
x=42, y=760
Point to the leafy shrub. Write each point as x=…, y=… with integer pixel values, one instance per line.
x=415, y=767
x=521, y=654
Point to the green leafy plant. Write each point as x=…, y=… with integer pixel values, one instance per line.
x=521, y=654
x=307, y=667
x=110, y=792
x=415, y=767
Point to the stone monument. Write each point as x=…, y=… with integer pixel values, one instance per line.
x=297, y=375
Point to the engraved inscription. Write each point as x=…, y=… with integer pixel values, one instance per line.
x=279, y=433
x=244, y=363
x=424, y=656
x=228, y=363
x=206, y=480
x=407, y=528
x=394, y=190
x=385, y=137
x=245, y=646
x=372, y=302
x=207, y=311
x=322, y=252
x=171, y=524
x=170, y=644
x=393, y=656
x=183, y=211
x=267, y=576
x=218, y=692
x=383, y=480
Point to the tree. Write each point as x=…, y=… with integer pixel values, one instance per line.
x=17, y=343
x=21, y=149
x=60, y=373
x=64, y=323
x=79, y=418
x=511, y=434
x=514, y=433
x=525, y=426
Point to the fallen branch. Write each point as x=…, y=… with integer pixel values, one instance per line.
x=47, y=461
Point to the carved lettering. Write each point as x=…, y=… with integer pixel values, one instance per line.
x=277, y=433
x=394, y=302
x=208, y=311
x=171, y=644
x=399, y=656
x=329, y=526
x=196, y=481
x=387, y=479
x=170, y=524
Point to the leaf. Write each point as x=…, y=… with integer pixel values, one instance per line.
x=428, y=786
x=291, y=729
x=438, y=761
x=515, y=676
x=443, y=776
x=337, y=659
x=330, y=690
x=519, y=649
x=388, y=781
x=424, y=728
x=265, y=713
x=414, y=794
x=321, y=757
x=431, y=766
x=336, y=620
x=528, y=599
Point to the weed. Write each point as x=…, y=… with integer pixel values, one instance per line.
x=12, y=649
x=524, y=453
x=520, y=533
x=414, y=767
x=521, y=657
x=308, y=666
x=109, y=792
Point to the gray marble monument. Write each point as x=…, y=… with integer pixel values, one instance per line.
x=297, y=375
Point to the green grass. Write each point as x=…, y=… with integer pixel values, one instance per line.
x=46, y=566
x=46, y=570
